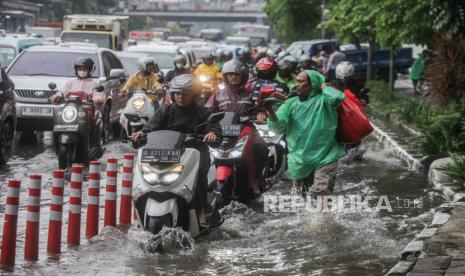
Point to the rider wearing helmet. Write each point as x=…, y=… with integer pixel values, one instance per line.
x=235, y=98
x=227, y=55
x=286, y=73
x=83, y=69
x=208, y=68
x=146, y=79
x=219, y=58
x=180, y=68
x=344, y=80
x=307, y=63
x=183, y=115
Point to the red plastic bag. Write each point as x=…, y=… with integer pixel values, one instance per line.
x=353, y=124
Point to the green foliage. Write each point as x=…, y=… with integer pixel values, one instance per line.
x=351, y=20
x=294, y=19
x=456, y=170
x=443, y=128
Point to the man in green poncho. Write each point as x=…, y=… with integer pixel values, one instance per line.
x=309, y=122
x=417, y=72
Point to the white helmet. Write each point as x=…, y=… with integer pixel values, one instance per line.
x=344, y=69
x=143, y=61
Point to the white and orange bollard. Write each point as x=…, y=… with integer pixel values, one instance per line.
x=93, y=199
x=110, y=193
x=126, y=190
x=75, y=198
x=10, y=225
x=56, y=213
x=31, y=247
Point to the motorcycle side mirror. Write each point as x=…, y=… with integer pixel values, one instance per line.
x=216, y=117
x=133, y=117
x=100, y=88
x=244, y=119
x=52, y=86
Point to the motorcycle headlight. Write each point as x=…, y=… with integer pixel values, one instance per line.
x=69, y=114
x=164, y=178
x=204, y=78
x=271, y=134
x=138, y=102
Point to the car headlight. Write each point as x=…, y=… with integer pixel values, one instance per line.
x=164, y=178
x=138, y=102
x=69, y=114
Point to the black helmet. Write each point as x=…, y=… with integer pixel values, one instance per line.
x=186, y=83
x=235, y=66
x=84, y=62
x=207, y=55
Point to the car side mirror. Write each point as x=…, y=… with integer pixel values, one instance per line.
x=100, y=88
x=116, y=74
x=52, y=86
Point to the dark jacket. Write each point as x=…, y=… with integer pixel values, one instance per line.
x=354, y=86
x=171, y=117
x=231, y=99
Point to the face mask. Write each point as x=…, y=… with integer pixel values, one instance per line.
x=82, y=74
x=179, y=65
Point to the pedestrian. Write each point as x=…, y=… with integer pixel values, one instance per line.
x=417, y=71
x=309, y=122
x=335, y=58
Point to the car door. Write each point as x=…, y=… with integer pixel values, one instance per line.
x=110, y=61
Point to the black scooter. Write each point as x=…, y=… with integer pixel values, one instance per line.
x=78, y=129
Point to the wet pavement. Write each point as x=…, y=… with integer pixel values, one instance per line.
x=250, y=241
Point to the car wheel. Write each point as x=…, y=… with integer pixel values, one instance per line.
x=6, y=140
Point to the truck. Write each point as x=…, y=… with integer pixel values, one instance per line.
x=358, y=57
x=107, y=31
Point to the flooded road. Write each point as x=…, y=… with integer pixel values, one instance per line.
x=251, y=241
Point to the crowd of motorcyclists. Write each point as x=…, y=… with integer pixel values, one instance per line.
x=308, y=90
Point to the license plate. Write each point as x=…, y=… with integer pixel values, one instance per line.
x=231, y=130
x=160, y=156
x=65, y=128
x=37, y=111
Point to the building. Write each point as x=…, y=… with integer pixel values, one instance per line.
x=16, y=15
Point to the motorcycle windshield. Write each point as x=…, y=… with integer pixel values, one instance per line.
x=230, y=118
x=165, y=139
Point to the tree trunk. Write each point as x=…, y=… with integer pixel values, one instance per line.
x=370, y=60
x=392, y=62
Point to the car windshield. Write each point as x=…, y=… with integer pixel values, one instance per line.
x=58, y=64
x=102, y=40
x=165, y=60
x=7, y=55
x=131, y=64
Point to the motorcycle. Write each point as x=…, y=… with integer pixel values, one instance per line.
x=165, y=178
x=277, y=156
x=231, y=174
x=140, y=104
x=78, y=129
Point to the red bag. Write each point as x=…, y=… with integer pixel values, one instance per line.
x=353, y=123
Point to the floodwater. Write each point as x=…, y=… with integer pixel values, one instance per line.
x=251, y=241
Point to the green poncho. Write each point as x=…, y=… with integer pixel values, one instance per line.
x=290, y=83
x=310, y=128
x=418, y=68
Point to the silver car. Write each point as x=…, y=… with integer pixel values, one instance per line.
x=36, y=67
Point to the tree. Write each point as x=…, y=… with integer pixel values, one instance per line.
x=294, y=19
x=354, y=21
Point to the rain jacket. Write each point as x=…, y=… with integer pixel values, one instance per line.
x=418, y=68
x=289, y=83
x=140, y=81
x=310, y=128
x=211, y=70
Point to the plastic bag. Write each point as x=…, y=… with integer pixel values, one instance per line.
x=353, y=124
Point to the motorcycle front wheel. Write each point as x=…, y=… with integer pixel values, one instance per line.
x=65, y=156
x=155, y=224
